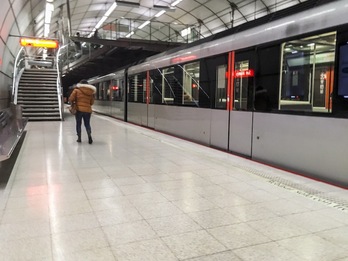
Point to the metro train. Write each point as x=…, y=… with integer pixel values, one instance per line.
x=276, y=93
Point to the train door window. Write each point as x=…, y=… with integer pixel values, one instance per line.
x=115, y=90
x=221, y=87
x=156, y=84
x=144, y=90
x=97, y=91
x=102, y=90
x=136, y=91
x=243, y=82
x=190, y=92
x=168, y=81
x=307, y=73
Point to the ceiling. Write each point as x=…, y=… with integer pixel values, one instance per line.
x=206, y=17
x=203, y=17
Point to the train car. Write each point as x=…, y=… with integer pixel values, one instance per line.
x=110, y=94
x=276, y=93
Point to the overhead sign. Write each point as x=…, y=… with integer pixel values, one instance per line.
x=35, y=42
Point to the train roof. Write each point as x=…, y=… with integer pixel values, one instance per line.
x=305, y=18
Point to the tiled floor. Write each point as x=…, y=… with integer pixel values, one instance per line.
x=140, y=195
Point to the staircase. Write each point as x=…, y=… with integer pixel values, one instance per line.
x=37, y=94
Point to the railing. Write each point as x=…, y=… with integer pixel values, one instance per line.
x=18, y=69
x=59, y=84
x=73, y=52
x=146, y=30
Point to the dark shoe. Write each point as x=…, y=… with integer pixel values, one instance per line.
x=78, y=138
x=90, y=140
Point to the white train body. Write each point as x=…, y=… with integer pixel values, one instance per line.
x=207, y=93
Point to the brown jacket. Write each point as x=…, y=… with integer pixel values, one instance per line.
x=84, y=96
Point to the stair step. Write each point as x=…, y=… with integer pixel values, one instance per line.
x=44, y=119
x=38, y=96
x=28, y=92
x=41, y=70
x=35, y=74
x=39, y=106
x=36, y=85
x=41, y=113
x=38, y=89
x=30, y=103
x=39, y=81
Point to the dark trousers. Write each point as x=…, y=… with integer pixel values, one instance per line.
x=86, y=116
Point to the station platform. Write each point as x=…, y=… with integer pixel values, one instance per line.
x=136, y=194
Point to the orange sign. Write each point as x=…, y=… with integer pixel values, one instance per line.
x=35, y=42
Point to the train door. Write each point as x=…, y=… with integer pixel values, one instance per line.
x=137, y=97
x=241, y=115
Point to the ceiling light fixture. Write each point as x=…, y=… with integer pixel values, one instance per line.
x=176, y=2
x=130, y=34
x=103, y=19
x=144, y=24
x=160, y=13
x=165, y=7
x=128, y=4
x=48, y=15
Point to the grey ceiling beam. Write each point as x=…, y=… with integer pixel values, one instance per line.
x=148, y=45
x=267, y=8
x=69, y=16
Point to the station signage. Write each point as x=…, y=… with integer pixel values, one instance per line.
x=36, y=42
x=243, y=73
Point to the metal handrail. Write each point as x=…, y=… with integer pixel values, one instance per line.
x=15, y=80
x=128, y=28
x=59, y=84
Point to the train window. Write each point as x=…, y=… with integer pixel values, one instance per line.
x=343, y=71
x=190, y=92
x=307, y=73
x=221, y=87
x=266, y=94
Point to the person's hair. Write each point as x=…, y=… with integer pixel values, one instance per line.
x=84, y=82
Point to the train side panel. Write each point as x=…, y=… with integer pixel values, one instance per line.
x=189, y=123
x=112, y=108
x=219, y=129
x=137, y=113
x=240, y=132
x=102, y=107
x=151, y=116
x=315, y=146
